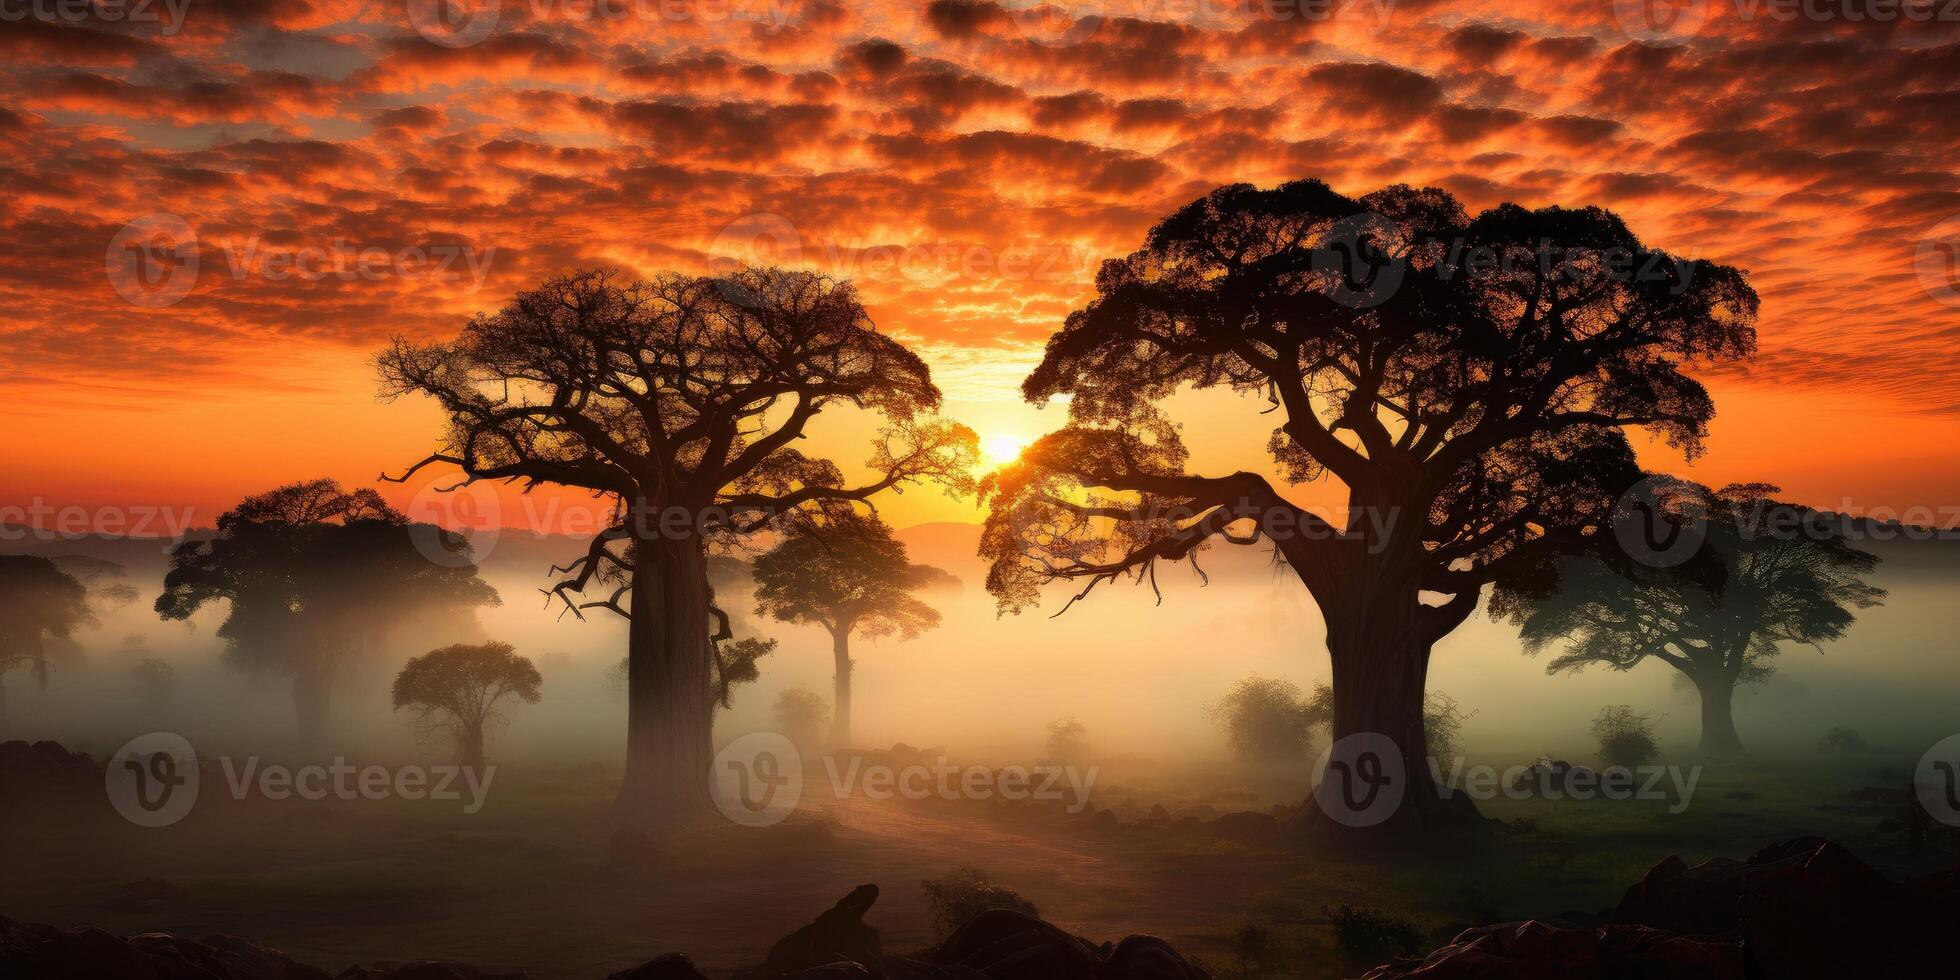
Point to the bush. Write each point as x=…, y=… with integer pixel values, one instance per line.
x=966, y=893
x=1369, y=936
x=802, y=715
x=1265, y=719
x=1843, y=741
x=1066, y=740
x=1626, y=737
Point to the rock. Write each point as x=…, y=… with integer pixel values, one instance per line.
x=672, y=966
x=46, y=774
x=422, y=970
x=1005, y=945
x=1159, y=815
x=1148, y=958
x=49, y=953
x=838, y=934
x=1531, y=950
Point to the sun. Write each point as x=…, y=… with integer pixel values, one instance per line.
x=997, y=449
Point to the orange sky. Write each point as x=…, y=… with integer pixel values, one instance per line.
x=965, y=166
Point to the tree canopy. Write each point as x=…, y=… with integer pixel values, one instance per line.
x=460, y=691
x=38, y=602
x=846, y=572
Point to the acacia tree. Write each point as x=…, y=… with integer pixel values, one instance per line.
x=314, y=575
x=678, y=399
x=38, y=603
x=846, y=572
x=457, y=690
x=1468, y=389
x=1768, y=573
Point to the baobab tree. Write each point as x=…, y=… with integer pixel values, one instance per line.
x=679, y=400
x=845, y=571
x=314, y=575
x=460, y=691
x=1767, y=574
x=1466, y=380
x=39, y=603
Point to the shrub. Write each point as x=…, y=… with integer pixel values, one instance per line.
x=1370, y=936
x=1843, y=741
x=1626, y=737
x=966, y=893
x=802, y=715
x=1265, y=719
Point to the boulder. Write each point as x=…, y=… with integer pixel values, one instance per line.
x=838, y=935
x=50, y=953
x=672, y=966
x=422, y=970
x=1531, y=950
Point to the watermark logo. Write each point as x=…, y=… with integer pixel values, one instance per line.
x=454, y=23
x=1936, y=781
x=757, y=779
x=437, y=513
x=1360, y=270
x=1659, y=522
x=1360, y=780
x=153, y=779
x=153, y=260
x=1660, y=20
x=1056, y=25
x=167, y=15
x=1937, y=261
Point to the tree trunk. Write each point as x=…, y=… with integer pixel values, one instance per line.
x=473, y=746
x=840, y=719
x=1380, y=658
x=670, y=711
x=1718, y=735
x=312, y=693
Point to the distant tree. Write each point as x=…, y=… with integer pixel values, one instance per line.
x=313, y=576
x=39, y=605
x=845, y=571
x=105, y=580
x=1768, y=573
x=156, y=681
x=460, y=691
x=1067, y=740
x=679, y=399
x=1470, y=388
x=1843, y=741
x=1625, y=736
x=803, y=716
x=1266, y=719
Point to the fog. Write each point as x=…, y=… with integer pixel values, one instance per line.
x=1138, y=671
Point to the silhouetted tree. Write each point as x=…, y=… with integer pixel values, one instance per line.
x=156, y=681
x=1068, y=739
x=1266, y=719
x=314, y=575
x=1468, y=389
x=39, y=604
x=458, y=691
x=678, y=399
x=1768, y=573
x=846, y=572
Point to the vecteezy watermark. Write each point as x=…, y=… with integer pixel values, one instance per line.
x=1360, y=780
x=767, y=240
x=1661, y=20
x=758, y=780
x=1937, y=260
x=454, y=24
x=156, y=260
x=168, y=15
x=38, y=520
x=154, y=780
x=1646, y=782
x=1936, y=781
x=1660, y=521
x=153, y=260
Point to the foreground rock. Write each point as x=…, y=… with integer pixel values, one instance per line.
x=1805, y=909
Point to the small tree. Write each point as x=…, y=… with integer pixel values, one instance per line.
x=156, y=681
x=1768, y=573
x=1266, y=719
x=458, y=690
x=1625, y=737
x=1067, y=739
x=802, y=715
x=39, y=603
x=845, y=571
